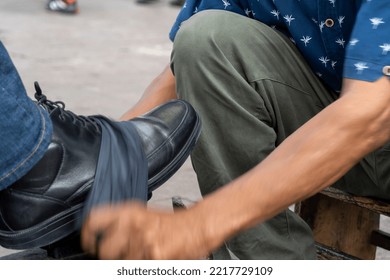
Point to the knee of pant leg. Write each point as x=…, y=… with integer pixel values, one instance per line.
x=202, y=35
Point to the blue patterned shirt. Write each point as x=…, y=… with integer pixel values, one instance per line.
x=338, y=38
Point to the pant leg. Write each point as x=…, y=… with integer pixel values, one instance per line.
x=370, y=177
x=25, y=128
x=251, y=89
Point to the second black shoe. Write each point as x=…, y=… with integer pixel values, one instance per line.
x=46, y=204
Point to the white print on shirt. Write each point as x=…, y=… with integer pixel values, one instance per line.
x=324, y=60
x=226, y=3
x=289, y=19
x=276, y=13
x=353, y=42
x=306, y=40
x=321, y=25
x=340, y=41
x=385, y=48
x=360, y=67
x=341, y=20
x=376, y=22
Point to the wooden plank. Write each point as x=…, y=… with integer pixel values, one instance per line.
x=381, y=239
x=343, y=226
x=327, y=253
x=375, y=205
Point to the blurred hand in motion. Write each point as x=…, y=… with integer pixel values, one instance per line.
x=132, y=231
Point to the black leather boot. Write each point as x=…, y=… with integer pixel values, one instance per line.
x=44, y=206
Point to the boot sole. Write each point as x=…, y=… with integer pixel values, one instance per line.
x=65, y=223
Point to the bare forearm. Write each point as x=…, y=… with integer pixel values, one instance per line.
x=311, y=159
x=162, y=89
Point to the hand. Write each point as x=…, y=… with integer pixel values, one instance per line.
x=131, y=231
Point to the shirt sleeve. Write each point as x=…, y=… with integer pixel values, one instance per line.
x=367, y=55
x=192, y=7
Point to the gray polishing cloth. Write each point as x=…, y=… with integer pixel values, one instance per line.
x=122, y=169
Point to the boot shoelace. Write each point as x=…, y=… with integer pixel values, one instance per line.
x=59, y=105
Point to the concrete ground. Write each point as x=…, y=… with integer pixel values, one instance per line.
x=97, y=62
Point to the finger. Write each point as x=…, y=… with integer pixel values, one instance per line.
x=106, y=228
x=122, y=240
x=98, y=239
x=94, y=227
x=112, y=244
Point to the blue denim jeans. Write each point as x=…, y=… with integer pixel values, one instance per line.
x=25, y=127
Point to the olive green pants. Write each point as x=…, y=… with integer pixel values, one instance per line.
x=252, y=89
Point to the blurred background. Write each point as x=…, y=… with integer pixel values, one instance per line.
x=98, y=61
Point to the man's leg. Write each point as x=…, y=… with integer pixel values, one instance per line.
x=370, y=177
x=251, y=89
x=25, y=128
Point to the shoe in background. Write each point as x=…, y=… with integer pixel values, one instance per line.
x=63, y=6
